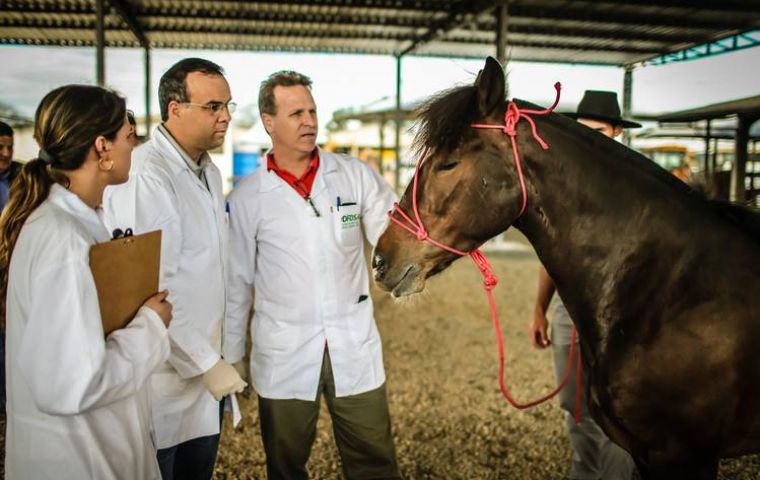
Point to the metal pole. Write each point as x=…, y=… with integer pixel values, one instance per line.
x=714, y=166
x=754, y=170
x=738, y=190
x=100, y=41
x=502, y=31
x=627, y=100
x=708, y=139
x=399, y=119
x=147, y=92
x=382, y=145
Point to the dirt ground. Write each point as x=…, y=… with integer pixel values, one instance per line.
x=450, y=420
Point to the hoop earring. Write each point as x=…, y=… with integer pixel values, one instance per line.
x=100, y=163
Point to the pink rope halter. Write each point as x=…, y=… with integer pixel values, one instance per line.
x=512, y=116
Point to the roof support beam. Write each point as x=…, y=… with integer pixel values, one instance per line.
x=125, y=12
x=453, y=20
x=724, y=6
x=502, y=32
x=398, y=120
x=623, y=18
x=627, y=100
x=254, y=26
x=560, y=45
x=738, y=191
x=100, y=43
x=147, y=92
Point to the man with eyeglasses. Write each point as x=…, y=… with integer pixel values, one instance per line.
x=176, y=188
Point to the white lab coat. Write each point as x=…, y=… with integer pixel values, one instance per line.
x=310, y=278
x=164, y=193
x=78, y=405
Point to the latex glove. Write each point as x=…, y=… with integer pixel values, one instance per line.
x=242, y=368
x=222, y=379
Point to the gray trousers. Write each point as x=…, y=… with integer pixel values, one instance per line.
x=594, y=455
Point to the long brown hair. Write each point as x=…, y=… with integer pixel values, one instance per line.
x=67, y=122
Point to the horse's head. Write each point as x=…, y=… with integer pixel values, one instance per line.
x=467, y=187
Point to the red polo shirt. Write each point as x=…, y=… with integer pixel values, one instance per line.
x=303, y=184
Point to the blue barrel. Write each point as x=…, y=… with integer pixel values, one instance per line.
x=243, y=163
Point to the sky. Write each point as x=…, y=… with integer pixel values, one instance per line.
x=342, y=81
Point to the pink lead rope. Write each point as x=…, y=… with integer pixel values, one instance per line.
x=512, y=117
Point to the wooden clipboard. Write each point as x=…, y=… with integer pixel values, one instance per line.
x=126, y=274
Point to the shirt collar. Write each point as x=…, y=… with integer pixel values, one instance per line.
x=196, y=168
x=313, y=164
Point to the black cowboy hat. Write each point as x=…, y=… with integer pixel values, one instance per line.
x=601, y=105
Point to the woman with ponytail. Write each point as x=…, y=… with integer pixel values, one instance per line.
x=77, y=402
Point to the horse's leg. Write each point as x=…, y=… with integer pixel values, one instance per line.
x=696, y=469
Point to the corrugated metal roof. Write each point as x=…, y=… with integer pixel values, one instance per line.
x=583, y=31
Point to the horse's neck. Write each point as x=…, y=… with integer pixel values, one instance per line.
x=586, y=222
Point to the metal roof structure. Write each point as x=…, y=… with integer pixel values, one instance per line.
x=746, y=106
x=745, y=112
x=608, y=32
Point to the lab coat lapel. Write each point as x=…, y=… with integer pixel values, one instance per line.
x=322, y=181
x=271, y=182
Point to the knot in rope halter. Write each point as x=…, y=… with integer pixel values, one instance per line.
x=512, y=116
x=489, y=278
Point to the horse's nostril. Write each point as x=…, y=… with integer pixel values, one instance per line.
x=379, y=266
x=378, y=262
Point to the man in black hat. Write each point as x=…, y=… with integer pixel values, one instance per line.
x=595, y=457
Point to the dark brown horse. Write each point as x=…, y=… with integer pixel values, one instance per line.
x=662, y=284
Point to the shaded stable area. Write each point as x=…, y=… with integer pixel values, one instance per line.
x=742, y=184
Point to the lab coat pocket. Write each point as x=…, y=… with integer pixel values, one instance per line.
x=360, y=322
x=348, y=225
x=272, y=327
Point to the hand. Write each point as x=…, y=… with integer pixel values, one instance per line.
x=242, y=368
x=538, y=329
x=222, y=379
x=159, y=304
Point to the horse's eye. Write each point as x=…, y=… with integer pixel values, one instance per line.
x=446, y=166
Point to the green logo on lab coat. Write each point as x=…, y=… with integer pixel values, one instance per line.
x=350, y=221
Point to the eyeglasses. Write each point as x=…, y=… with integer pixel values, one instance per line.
x=214, y=107
x=131, y=118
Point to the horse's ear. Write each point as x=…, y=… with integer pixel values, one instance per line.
x=491, y=88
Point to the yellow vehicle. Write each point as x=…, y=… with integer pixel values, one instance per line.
x=677, y=159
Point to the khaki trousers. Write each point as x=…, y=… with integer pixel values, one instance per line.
x=361, y=425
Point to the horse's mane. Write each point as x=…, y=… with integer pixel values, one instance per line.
x=445, y=117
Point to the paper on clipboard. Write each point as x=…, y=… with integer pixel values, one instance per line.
x=126, y=274
x=231, y=405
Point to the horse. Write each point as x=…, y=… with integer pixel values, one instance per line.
x=662, y=283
